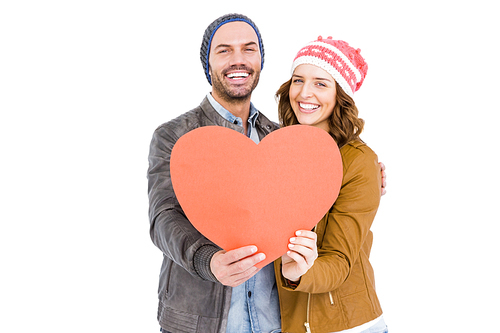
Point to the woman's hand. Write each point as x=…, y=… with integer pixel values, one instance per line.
x=301, y=256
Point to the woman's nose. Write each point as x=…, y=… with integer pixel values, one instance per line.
x=305, y=92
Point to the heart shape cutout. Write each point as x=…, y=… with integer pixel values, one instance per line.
x=238, y=193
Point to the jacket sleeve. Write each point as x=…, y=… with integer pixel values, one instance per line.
x=170, y=230
x=348, y=222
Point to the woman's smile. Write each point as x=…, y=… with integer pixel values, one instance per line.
x=308, y=107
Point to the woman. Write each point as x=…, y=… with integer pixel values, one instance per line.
x=325, y=281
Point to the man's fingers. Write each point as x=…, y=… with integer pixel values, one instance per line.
x=238, y=254
x=245, y=264
x=238, y=272
x=236, y=266
x=244, y=276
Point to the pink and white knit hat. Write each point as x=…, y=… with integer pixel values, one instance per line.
x=344, y=63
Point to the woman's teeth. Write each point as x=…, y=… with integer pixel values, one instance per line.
x=308, y=106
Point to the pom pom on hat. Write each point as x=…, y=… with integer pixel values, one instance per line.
x=344, y=63
x=210, y=32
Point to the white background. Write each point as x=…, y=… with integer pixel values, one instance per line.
x=83, y=85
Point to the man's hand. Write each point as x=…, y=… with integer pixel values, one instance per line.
x=383, y=178
x=234, y=267
x=303, y=252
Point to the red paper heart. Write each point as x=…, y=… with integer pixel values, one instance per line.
x=237, y=193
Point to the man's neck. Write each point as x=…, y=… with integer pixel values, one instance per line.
x=239, y=108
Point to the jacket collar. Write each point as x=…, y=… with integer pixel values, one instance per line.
x=254, y=113
x=264, y=126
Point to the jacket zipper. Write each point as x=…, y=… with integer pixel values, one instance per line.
x=306, y=324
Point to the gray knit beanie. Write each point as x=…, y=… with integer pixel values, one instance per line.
x=209, y=34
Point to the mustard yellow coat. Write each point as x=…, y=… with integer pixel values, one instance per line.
x=338, y=292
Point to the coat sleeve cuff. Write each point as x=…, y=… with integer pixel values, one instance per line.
x=202, y=259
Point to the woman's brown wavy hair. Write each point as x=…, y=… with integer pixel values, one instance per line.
x=344, y=124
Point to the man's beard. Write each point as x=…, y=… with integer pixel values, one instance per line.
x=230, y=93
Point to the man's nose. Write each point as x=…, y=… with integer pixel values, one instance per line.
x=238, y=58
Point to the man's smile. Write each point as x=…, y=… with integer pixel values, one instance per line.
x=237, y=75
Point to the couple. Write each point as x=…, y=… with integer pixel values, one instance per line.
x=324, y=283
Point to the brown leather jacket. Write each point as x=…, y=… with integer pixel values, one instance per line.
x=338, y=292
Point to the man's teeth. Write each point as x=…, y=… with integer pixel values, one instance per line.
x=237, y=75
x=308, y=106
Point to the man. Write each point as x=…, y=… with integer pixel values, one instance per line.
x=196, y=279
x=203, y=288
